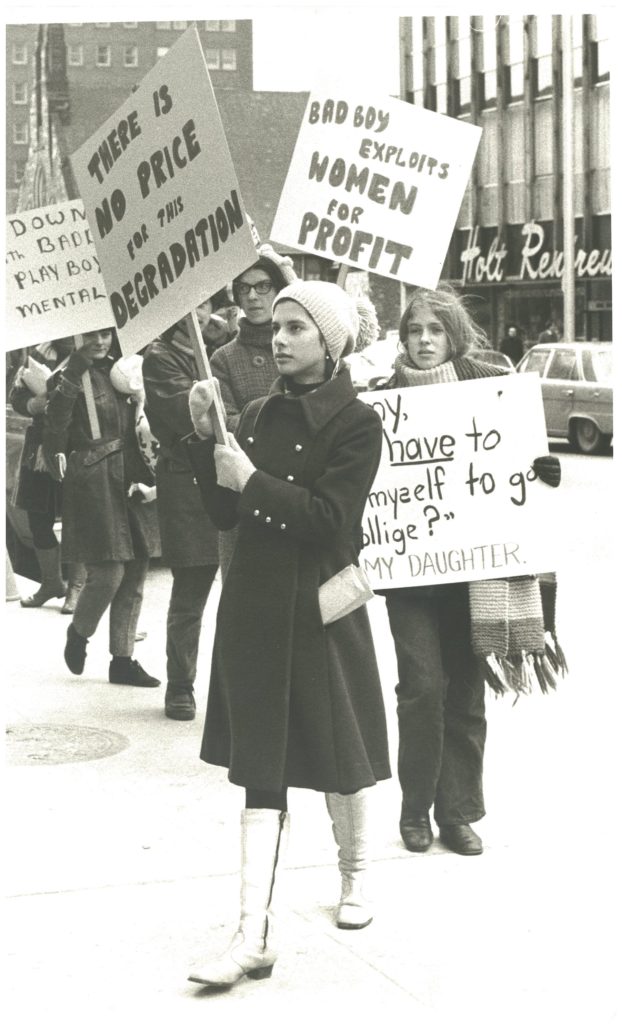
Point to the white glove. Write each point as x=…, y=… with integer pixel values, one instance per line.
x=143, y=493
x=233, y=466
x=201, y=398
x=36, y=404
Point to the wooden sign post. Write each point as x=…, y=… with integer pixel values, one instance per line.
x=219, y=419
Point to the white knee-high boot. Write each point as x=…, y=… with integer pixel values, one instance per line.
x=252, y=951
x=349, y=817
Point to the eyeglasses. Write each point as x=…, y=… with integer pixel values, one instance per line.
x=260, y=287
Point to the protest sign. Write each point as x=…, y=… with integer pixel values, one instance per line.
x=455, y=497
x=162, y=198
x=54, y=285
x=376, y=185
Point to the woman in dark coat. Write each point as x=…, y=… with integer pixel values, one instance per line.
x=114, y=533
x=293, y=702
x=38, y=492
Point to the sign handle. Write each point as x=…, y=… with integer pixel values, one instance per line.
x=89, y=398
x=219, y=418
x=344, y=270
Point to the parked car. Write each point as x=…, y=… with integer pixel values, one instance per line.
x=577, y=379
x=490, y=355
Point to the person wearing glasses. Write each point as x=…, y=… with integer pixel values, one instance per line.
x=245, y=367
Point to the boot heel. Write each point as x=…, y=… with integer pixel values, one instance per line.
x=260, y=972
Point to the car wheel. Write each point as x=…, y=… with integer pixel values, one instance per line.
x=588, y=437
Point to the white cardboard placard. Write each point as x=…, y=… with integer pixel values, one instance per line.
x=162, y=198
x=54, y=285
x=376, y=183
x=455, y=498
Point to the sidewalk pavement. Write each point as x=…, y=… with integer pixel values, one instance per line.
x=121, y=853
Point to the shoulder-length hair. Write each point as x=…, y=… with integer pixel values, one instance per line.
x=463, y=334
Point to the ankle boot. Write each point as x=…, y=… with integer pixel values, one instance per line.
x=51, y=580
x=349, y=818
x=75, y=651
x=252, y=951
x=77, y=579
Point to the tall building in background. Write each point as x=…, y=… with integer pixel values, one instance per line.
x=505, y=74
x=91, y=68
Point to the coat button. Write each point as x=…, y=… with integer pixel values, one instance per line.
x=268, y=519
x=256, y=512
x=298, y=448
x=290, y=478
x=283, y=526
x=250, y=440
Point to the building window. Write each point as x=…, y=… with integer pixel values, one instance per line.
x=20, y=53
x=130, y=56
x=463, y=47
x=104, y=56
x=229, y=60
x=20, y=92
x=20, y=134
x=179, y=26
x=75, y=56
x=19, y=170
x=601, y=35
x=130, y=24
x=227, y=26
x=163, y=24
x=543, y=52
x=162, y=51
x=212, y=59
x=212, y=26
x=102, y=24
x=489, y=59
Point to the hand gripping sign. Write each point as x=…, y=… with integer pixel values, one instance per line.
x=376, y=185
x=163, y=201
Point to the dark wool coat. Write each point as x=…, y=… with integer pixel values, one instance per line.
x=245, y=368
x=187, y=533
x=292, y=702
x=36, y=490
x=100, y=523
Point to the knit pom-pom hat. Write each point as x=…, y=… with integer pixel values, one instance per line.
x=343, y=322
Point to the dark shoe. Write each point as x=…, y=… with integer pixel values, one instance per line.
x=71, y=599
x=75, y=651
x=461, y=839
x=128, y=672
x=416, y=832
x=179, y=702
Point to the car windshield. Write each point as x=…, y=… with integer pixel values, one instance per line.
x=598, y=365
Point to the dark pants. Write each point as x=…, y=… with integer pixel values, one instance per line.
x=440, y=703
x=118, y=586
x=41, y=526
x=191, y=587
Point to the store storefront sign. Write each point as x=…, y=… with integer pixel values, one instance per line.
x=537, y=263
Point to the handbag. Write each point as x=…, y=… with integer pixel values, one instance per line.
x=344, y=593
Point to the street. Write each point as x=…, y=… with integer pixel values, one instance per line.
x=121, y=847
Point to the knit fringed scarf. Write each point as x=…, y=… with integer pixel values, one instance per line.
x=513, y=633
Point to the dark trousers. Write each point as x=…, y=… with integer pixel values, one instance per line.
x=440, y=703
x=41, y=526
x=118, y=586
x=191, y=587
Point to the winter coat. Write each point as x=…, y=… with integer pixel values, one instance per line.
x=187, y=533
x=100, y=523
x=292, y=702
x=36, y=490
x=245, y=368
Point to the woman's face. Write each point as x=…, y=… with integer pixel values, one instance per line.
x=98, y=342
x=297, y=345
x=256, y=304
x=427, y=343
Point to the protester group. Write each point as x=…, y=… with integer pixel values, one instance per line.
x=295, y=697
